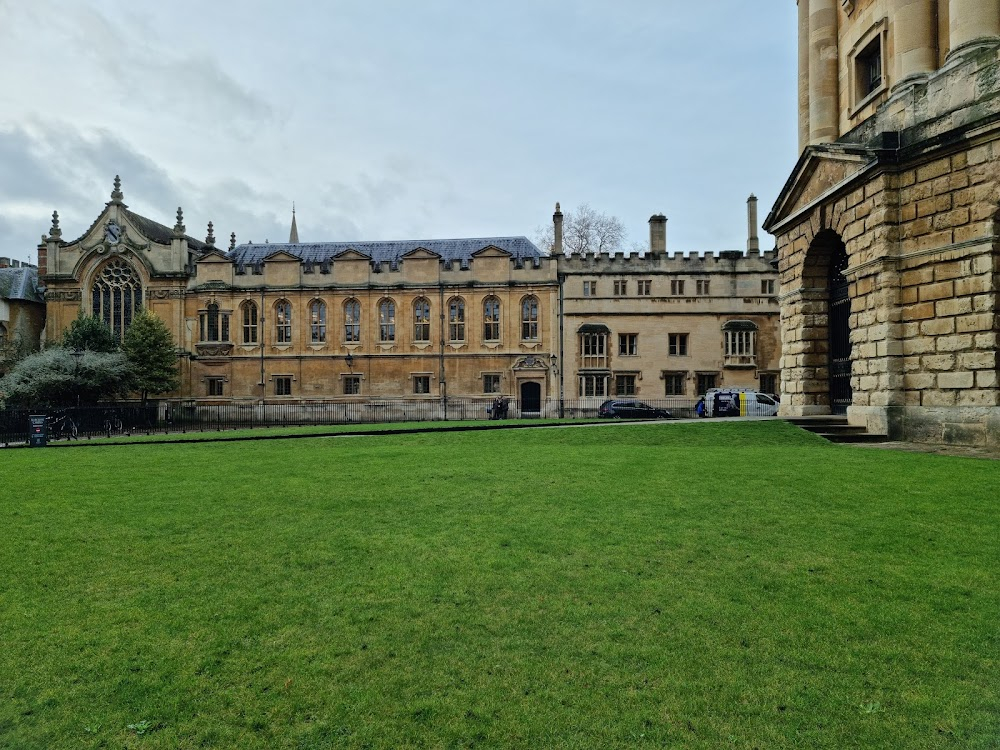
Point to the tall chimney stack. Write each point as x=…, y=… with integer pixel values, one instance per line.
x=657, y=234
x=753, y=244
x=557, y=226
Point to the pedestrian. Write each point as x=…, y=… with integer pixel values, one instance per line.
x=699, y=408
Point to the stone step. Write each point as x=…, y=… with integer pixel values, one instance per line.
x=835, y=428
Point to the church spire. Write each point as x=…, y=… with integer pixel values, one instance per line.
x=293, y=236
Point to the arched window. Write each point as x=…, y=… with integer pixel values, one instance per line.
x=214, y=324
x=529, y=319
x=283, y=322
x=352, y=320
x=491, y=319
x=456, y=319
x=317, y=322
x=248, y=314
x=421, y=319
x=387, y=320
x=117, y=295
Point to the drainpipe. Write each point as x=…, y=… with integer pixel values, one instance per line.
x=260, y=340
x=562, y=360
x=441, y=317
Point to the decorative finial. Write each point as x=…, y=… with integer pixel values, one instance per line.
x=232, y=241
x=55, y=232
x=116, y=194
x=210, y=239
x=179, y=228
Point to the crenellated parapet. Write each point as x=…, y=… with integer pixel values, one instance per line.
x=726, y=261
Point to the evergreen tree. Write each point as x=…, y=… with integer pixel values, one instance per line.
x=151, y=355
x=89, y=333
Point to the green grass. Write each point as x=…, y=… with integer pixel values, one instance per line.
x=696, y=586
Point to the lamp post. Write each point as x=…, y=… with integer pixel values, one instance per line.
x=77, y=356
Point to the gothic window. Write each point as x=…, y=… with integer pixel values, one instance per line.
x=491, y=319
x=117, y=295
x=529, y=319
x=352, y=320
x=248, y=314
x=214, y=324
x=456, y=319
x=421, y=319
x=387, y=320
x=317, y=322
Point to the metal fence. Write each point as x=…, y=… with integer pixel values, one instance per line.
x=109, y=420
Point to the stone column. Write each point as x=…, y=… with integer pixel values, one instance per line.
x=973, y=21
x=803, y=74
x=916, y=43
x=824, y=99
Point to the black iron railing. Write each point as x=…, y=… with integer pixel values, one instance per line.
x=110, y=420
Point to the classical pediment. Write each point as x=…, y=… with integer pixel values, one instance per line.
x=491, y=251
x=421, y=253
x=351, y=254
x=282, y=256
x=213, y=255
x=820, y=171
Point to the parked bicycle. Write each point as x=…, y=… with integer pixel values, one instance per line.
x=112, y=424
x=62, y=425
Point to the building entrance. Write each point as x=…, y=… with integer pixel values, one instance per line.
x=531, y=397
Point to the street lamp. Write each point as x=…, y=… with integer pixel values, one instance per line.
x=77, y=356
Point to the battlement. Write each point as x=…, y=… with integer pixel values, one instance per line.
x=725, y=261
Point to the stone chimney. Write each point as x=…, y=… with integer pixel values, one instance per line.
x=657, y=234
x=4, y=262
x=557, y=226
x=753, y=244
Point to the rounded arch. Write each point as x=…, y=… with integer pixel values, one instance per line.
x=456, y=319
x=282, y=321
x=249, y=315
x=387, y=319
x=491, y=318
x=529, y=317
x=116, y=294
x=421, y=319
x=317, y=321
x=352, y=320
x=826, y=250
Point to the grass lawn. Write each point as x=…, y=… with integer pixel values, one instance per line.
x=740, y=585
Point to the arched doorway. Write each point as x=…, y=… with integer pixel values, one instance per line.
x=531, y=397
x=841, y=394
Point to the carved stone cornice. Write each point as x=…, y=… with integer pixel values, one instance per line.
x=63, y=295
x=214, y=349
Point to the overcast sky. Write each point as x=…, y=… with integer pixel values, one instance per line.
x=395, y=120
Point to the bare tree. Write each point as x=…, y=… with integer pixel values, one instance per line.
x=586, y=231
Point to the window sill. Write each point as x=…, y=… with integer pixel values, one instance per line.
x=875, y=94
x=740, y=363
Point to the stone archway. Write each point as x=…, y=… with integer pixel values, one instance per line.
x=822, y=315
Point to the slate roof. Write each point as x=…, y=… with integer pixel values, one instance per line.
x=158, y=232
x=20, y=284
x=387, y=251
x=152, y=230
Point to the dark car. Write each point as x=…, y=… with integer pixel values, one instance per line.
x=631, y=409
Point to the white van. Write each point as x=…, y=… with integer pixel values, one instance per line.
x=739, y=402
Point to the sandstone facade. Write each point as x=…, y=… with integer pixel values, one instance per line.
x=899, y=184
x=426, y=321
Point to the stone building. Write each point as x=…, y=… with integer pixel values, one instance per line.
x=887, y=227
x=427, y=320
x=663, y=326
x=22, y=310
